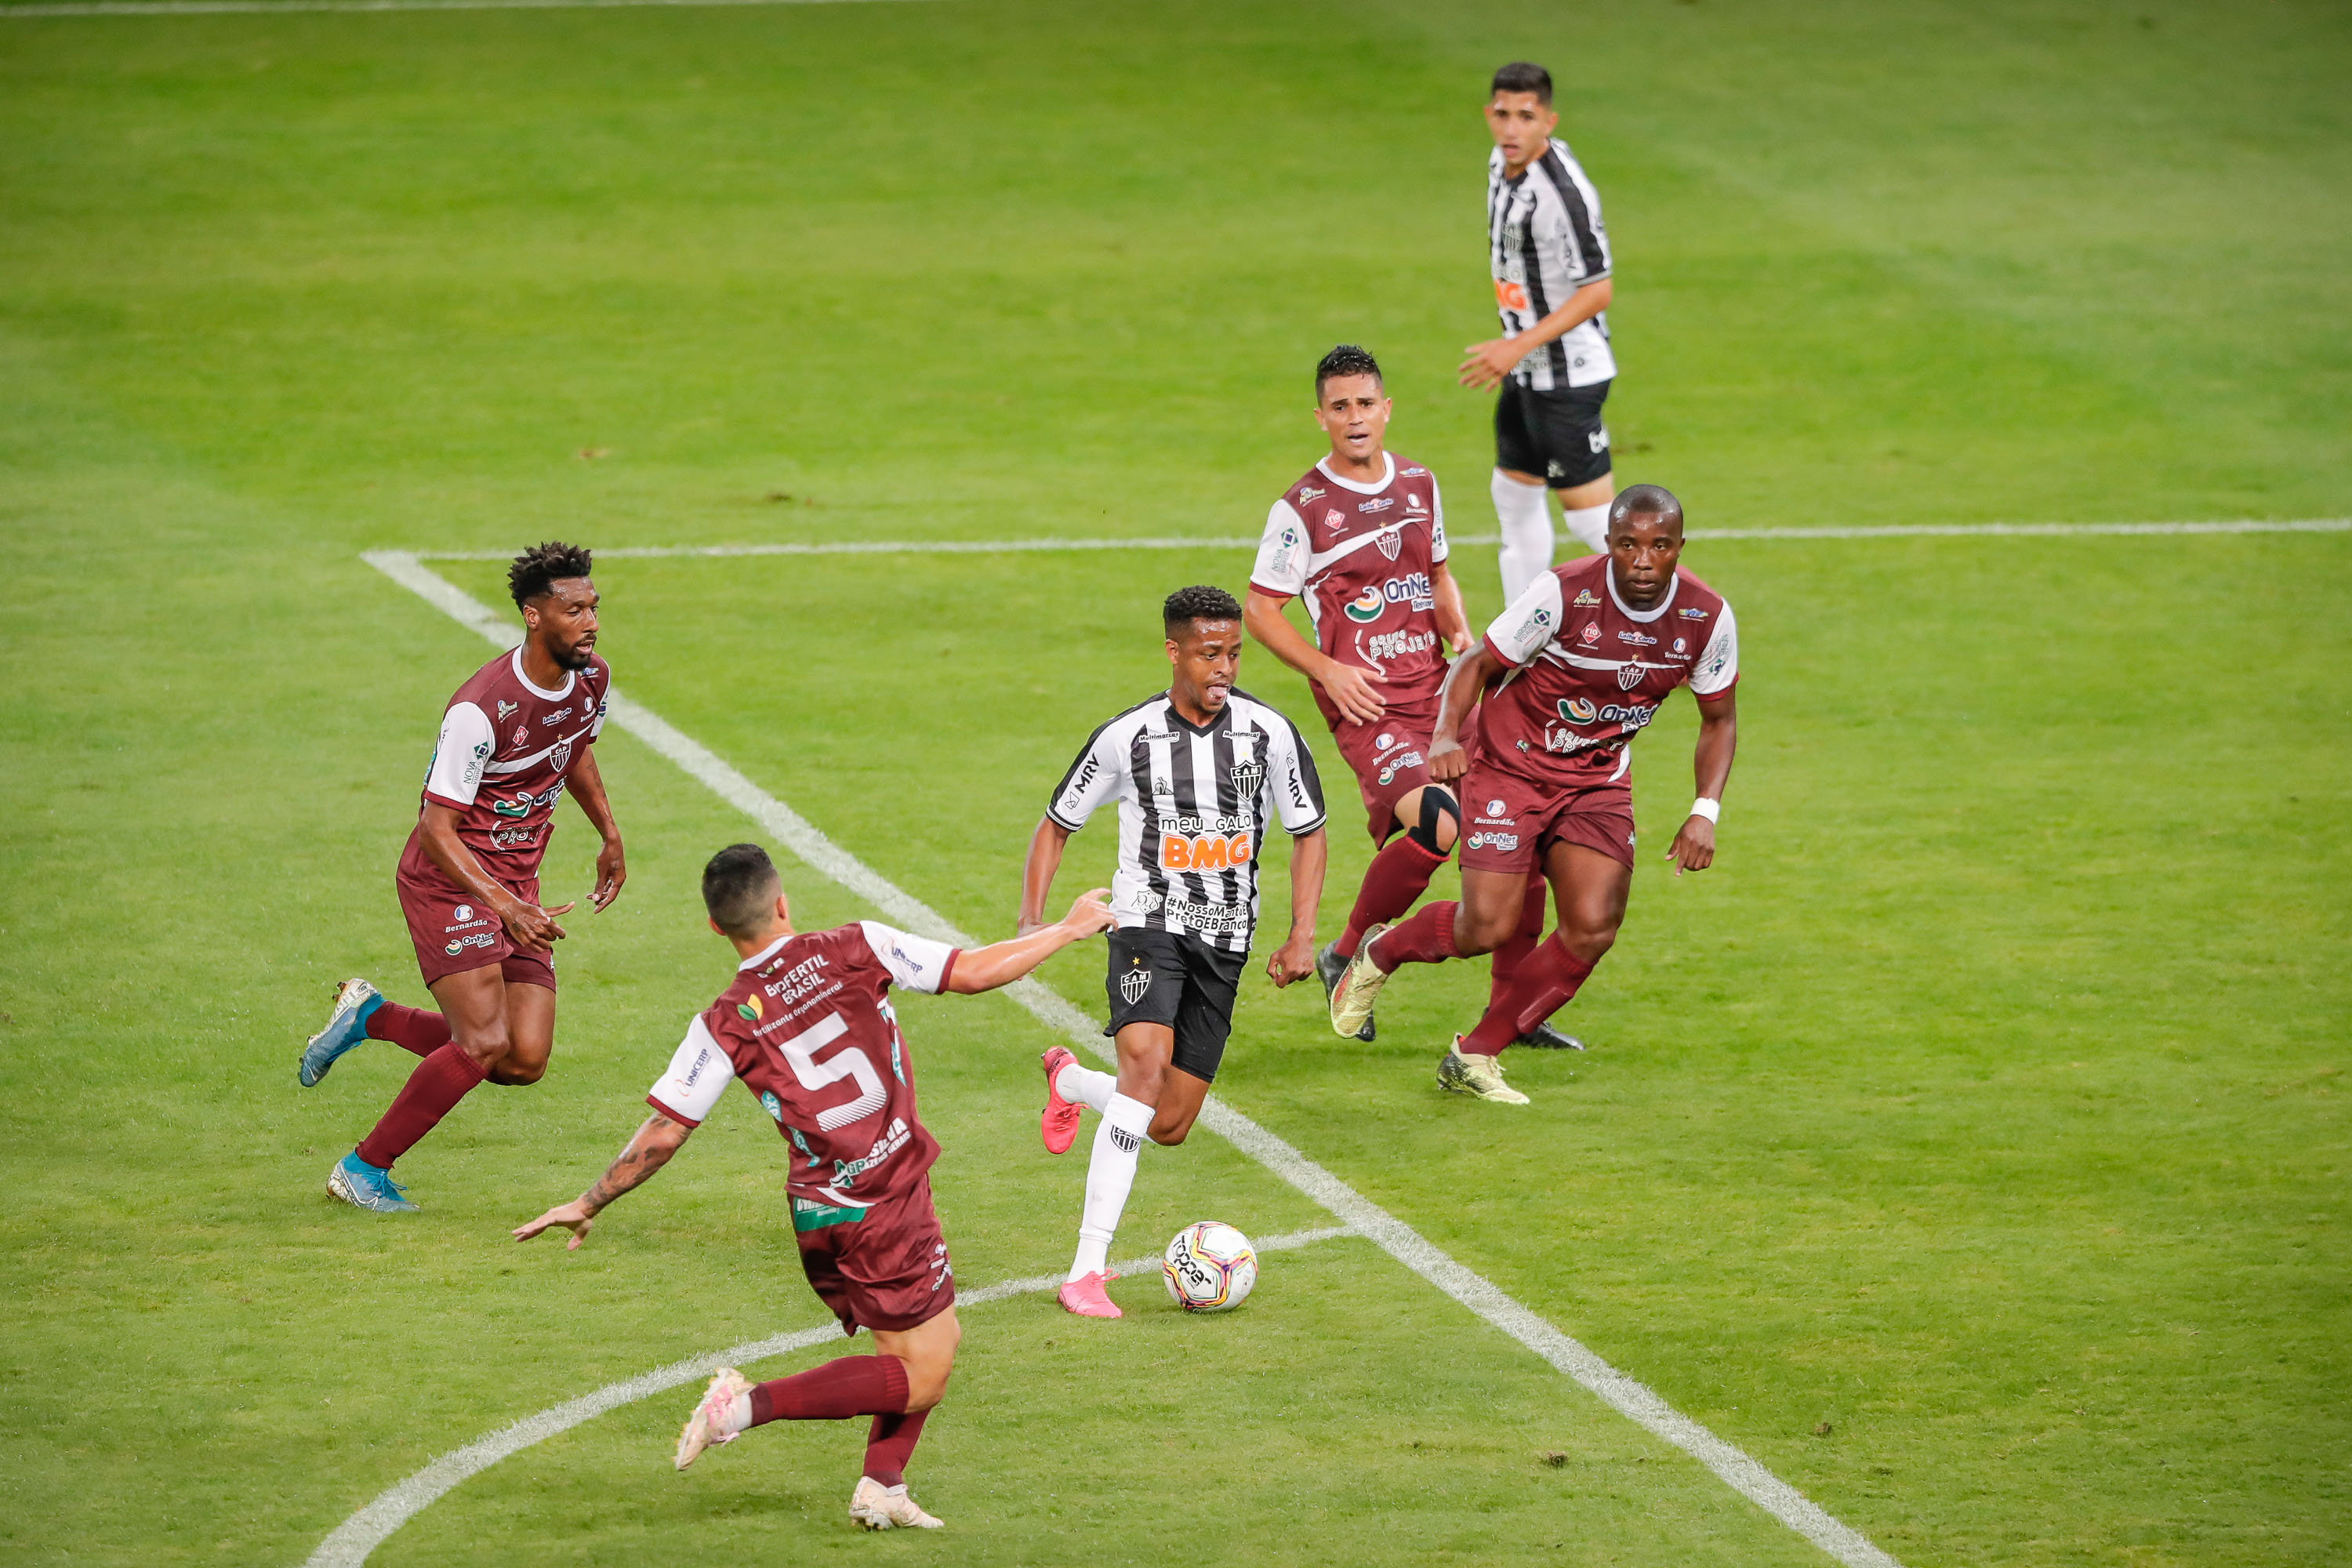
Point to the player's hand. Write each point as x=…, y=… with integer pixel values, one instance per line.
x=573, y=1216
x=1353, y=691
x=611, y=872
x=532, y=929
x=1448, y=761
x=1485, y=364
x=1694, y=847
x=1463, y=644
x=1292, y=962
x=1090, y=914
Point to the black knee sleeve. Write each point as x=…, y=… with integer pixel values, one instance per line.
x=1436, y=803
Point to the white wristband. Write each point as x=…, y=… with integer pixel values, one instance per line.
x=1710, y=809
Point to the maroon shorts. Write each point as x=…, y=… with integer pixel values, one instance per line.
x=883, y=1267
x=1508, y=821
x=1390, y=758
x=452, y=933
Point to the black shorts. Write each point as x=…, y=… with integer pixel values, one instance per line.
x=1557, y=434
x=1162, y=978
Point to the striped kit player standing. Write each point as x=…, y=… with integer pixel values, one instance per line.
x=516, y=737
x=1200, y=771
x=1552, y=366
x=1570, y=672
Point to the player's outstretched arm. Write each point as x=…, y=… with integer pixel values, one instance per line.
x=588, y=789
x=648, y=1152
x=1718, y=736
x=1353, y=691
x=1467, y=678
x=1000, y=963
x=1294, y=959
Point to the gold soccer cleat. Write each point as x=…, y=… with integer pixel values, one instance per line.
x=1475, y=1074
x=1359, y=988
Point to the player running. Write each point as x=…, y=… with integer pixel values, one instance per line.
x=1572, y=670
x=808, y=1027
x=1198, y=772
x=516, y=736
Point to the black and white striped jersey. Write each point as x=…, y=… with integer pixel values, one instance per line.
x=1193, y=808
x=1544, y=242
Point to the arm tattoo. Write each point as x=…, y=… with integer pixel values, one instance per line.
x=632, y=1169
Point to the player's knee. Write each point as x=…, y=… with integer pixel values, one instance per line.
x=1588, y=939
x=488, y=1048
x=514, y=1074
x=1481, y=931
x=1173, y=1134
x=1440, y=821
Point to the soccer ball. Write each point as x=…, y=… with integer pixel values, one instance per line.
x=1209, y=1268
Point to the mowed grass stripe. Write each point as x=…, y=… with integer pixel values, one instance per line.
x=1626, y=1396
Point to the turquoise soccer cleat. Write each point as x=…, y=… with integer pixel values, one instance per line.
x=346, y=1028
x=363, y=1186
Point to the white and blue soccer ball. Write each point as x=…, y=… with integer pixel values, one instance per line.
x=1209, y=1268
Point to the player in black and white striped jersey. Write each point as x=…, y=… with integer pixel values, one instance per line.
x=1200, y=772
x=1548, y=253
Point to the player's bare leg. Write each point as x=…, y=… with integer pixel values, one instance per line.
x=530, y=1035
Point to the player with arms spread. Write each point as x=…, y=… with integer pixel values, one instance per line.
x=1572, y=670
x=806, y=1027
x=516, y=736
x=1200, y=772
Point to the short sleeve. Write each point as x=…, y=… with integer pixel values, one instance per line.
x=1094, y=777
x=596, y=725
x=455, y=776
x=699, y=1072
x=1297, y=791
x=1716, y=669
x=1527, y=622
x=1282, y=554
x=1437, y=546
x=917, y=963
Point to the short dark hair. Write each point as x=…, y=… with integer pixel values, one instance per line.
x=1348, y=359
x=1649, y=501
x=738, y=888
x=1521, y=77
x=1198, y=603
x=543, y=564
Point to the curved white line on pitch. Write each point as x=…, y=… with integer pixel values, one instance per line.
x=1629, y=1398
x=1238, y=542
x=365, y=1531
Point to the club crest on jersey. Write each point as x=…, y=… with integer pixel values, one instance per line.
x=1629, y=676
x=1368, y=606
x=1586, y=596
x=1391, y=543
x=1590, y=635
x=560, y=757
x=1248, y=777
x=507, y=708
x=1134, y=983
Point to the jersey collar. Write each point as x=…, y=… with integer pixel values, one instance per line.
x=1644, y=616
x=1387, y=479
x=761, y=956
x=569, y=676
x=1168, y=700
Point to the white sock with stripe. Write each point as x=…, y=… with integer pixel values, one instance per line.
x=1110, y=1176
x=1525, y=514
x=1085, y=1086
x=1590, y=525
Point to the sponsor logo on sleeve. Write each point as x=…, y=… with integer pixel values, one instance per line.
x=1538, y=627
x=1289, y=538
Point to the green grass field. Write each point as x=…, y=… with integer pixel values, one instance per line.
x=1971, y=1146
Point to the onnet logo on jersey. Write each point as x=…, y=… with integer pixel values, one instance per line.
x=1412, y=589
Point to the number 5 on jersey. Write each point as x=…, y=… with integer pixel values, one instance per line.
x=800, y=1053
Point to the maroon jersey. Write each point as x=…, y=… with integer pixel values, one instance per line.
x=1363, y=556
x=1590, y=671
x=506, y=751
x=808, y=1029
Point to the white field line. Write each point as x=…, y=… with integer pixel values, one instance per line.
x=1238, y=542
x=219, y=7
x=1630, y=1398
x=365, y=1531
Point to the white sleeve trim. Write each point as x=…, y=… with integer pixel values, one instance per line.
x=1282, y=552
x=1530, y=621
x=917, y=963
x=460, y=754
x=1438, y=549
x=699, y=1072
x=1718, y=665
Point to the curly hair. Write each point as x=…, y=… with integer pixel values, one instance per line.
x=1198, y=603
x=536, y=568
x=1348, y=359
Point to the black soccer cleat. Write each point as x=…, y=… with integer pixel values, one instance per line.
x=1544, y=1037
x=1329, y=967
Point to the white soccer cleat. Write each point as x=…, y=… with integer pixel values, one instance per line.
x=878, y=1506
x=706, y=1427
x=1469, y=1073
x=1359, y=988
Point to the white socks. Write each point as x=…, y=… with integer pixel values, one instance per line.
x=1111, y=1175
x=1590, y=526
x=1525, y=514
x=1085, y=1086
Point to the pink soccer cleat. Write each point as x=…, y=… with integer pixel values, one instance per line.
x=1087, y=1297
x=1057, y=1124
x=708, y=1426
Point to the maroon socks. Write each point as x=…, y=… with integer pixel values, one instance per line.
x=1398, y=875
x=443, y=1078
x=410, y=1028
x=853, y=1385
x=1542, y=984
x=1427, y=938
x=889, y=1443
